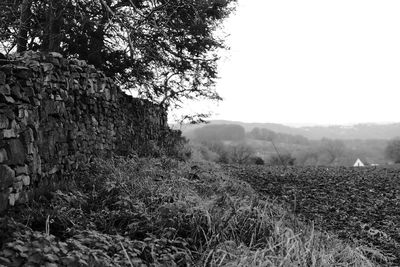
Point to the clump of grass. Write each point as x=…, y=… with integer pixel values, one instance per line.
x=162, y=212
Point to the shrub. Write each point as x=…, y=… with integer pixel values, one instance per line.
x=285, y=159
x=392, y=150
x=257, y=161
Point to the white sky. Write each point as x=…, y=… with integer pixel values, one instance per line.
x=312, y=62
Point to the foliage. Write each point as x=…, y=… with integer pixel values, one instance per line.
x=308, y=157
x=241, y=153
x=268, y=135
x=257, y=160
x=200, y=152
x=392, y=150
x=86, y=248
x=284, y=159
x=324, y=152
x=162, y=212
x=166, y=49
x=328, y=152
x=175, y=145
x=331, y=149
x=218, y=151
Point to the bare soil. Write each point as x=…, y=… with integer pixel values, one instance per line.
x=360, y=205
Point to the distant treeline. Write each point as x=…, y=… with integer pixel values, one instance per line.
x=231, y=143
x=268, y=135
x=219, y=132
x=233, y=132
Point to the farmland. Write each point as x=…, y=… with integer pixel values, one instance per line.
x=360, y=205
x=162, y=212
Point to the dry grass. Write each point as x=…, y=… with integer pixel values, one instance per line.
x=192, y=214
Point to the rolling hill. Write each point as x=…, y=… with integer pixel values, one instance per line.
x=357, y=131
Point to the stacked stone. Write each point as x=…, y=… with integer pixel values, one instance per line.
x=57, y=113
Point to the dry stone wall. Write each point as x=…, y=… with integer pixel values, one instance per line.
x=56, y=113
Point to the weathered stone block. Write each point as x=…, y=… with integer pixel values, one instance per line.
x=4, y=123
x=21, y=170
x=10, y=114
x=23, y=197
x=17, y=152
x=13, y=198
x=7, y=176
x=9, y=133
x=28, y=135
x=28, y=91
x=30, y=148
x=5, y=89
x=35, y=164
x=18, y=185
x=6, y=99
x=16, y=92
x=25, y=179
x=14, y=125
x=4, y=200
x=2, y=78
x=3, y=155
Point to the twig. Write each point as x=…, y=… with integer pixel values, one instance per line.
x=279, y=155
x=48, y=225
x=126, y=254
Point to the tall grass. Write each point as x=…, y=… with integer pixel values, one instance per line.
x=161, y=212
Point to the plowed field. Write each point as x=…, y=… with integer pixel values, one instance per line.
x=357, y=204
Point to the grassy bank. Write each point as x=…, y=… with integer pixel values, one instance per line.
x=161, y=212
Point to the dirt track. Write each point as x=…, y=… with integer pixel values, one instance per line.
x=357, y=204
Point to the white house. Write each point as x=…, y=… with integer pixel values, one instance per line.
x=358, y=163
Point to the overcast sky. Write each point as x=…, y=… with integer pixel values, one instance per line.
x=312, y=62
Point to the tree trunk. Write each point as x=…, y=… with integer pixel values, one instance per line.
x=97, y=37
x=22, y=38
x=52, y=31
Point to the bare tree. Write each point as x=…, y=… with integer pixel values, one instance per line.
x=241, y=153
x=392, y=150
